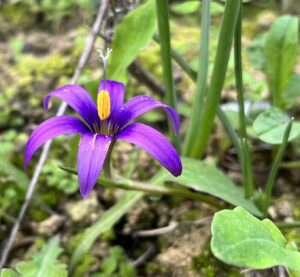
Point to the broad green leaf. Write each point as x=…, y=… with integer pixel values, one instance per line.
x=131, y=35
x=45, y=263
x=185, y=7
x=292, y=92
x=274, y=231
x=208, y=179
x=6, y=272
x=240, y=239
x=255, y=52
x=281, y=54
x=107, y=221
x=270, y=125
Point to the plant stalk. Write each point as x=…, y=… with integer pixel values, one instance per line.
x=221, y=115
x=201, y=83
x=275, y=166
x=206, y=121
x=238, y=70
x=165, y=46
x=107, y=163
x=126, y=184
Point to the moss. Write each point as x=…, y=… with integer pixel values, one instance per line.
x=31, y=68
x=293, y=236
x=191, y=215
x=37, y=215
x=155, y=269
x=84, y=265
x=207, y=265
x=73, y=242
x=14, y=17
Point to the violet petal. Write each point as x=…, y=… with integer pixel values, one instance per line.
x=141, y=104
x=53, y=127
x=154, y=143
x=91, y=156
x=79, y=99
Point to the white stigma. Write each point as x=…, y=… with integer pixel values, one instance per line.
x=104, y=57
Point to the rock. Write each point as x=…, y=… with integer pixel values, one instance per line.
x=49, y=226
x=265, y=19
x=86, y=211
x=285, y=208
x=184, y=246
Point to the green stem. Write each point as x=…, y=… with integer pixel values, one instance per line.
x=246, y=168
x=145, y=187
x=201, y=83
x=221, y=115
x=288, y=225
x=165, y=46
x=218, y=77
x=153, y=189
x=275, y=166
x=238, y=69
x=107, y=163
x=230, y=131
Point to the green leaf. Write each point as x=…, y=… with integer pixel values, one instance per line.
x=255, y=52
x=6, y=272
x=185, y=7
x=127, y=270
x=274, y=231
x=270, y=125
x=208, y=179
x=45, y=263
x=240, y=239
x=131, y=35
x=281, y=54
x=292, y=95
x=109, y=265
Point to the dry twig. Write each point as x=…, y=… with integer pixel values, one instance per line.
x=172, y=227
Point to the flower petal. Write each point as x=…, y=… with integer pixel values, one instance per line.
x=140, y=104
x=79, y=99
x=91, y=156
x=53, y=127
x=154, y=143
x=116, y=92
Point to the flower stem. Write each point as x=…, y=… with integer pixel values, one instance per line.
x=153, y=189
x=201, y=83
x=165, y=46
x=217, y=80
x=275, y=166
x=107, y=164
x=238, y=70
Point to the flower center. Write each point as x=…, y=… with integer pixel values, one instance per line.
x=103, y=104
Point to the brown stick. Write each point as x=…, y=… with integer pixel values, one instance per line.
x=82, y=62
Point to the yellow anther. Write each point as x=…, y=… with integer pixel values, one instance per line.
x=103, y=104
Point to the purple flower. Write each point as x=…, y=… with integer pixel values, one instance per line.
x=103, y=123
